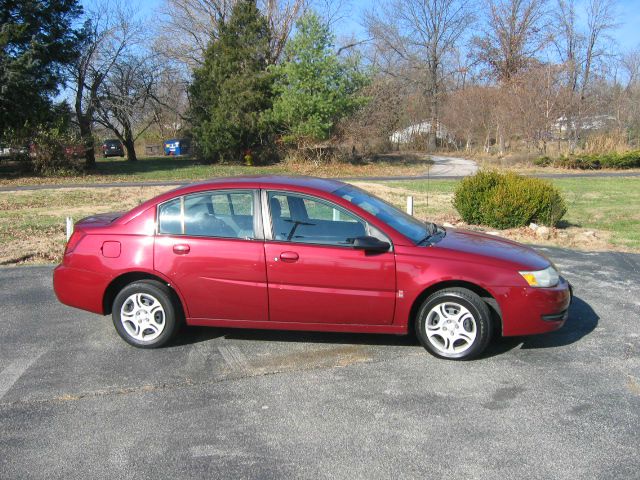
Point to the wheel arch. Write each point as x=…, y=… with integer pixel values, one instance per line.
x=125, y=279
x=485, y=295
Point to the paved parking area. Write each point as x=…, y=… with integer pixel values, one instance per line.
x=77, y=402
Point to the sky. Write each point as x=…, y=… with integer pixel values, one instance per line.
x=627, y=35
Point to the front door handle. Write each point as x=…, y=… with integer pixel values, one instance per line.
x=289, y=257
x=181, y=249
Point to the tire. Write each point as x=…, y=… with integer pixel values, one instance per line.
x=454, y=323
x=146, y=314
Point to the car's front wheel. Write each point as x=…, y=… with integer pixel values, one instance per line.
x=454, y=323
x=145, y=315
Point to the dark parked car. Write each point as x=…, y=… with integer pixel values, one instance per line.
x=300, y=253
x=112, y=148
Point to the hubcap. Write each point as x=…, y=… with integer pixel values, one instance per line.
x=451, y=328
x=142, y=317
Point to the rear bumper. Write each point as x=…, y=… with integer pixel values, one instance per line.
x=80, y=288
x=530, y=311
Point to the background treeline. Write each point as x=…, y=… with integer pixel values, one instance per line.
x=272, y=79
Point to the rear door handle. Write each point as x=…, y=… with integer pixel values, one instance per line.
x=181, y=249
x=289, y=257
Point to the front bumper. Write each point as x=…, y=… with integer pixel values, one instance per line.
x=528, y=310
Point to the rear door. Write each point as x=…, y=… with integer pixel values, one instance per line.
x=210, y=245
x=314, y=273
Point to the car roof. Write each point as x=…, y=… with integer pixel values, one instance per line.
x=302, y=183
x=270, y=181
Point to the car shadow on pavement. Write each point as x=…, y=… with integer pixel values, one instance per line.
x=191, y=335
x=581, y=322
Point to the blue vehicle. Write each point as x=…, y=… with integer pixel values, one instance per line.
x=177, y=146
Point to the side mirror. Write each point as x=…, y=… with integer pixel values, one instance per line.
x=370, y=244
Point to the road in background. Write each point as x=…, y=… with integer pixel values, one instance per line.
x=452, y=167
x=77, y=402
x=444, y=168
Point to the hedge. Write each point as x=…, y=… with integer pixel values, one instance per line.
x=593, y=162
x=508, y=200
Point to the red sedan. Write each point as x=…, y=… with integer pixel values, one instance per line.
x=299, y=253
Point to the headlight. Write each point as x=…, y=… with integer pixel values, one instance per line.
x=548, y=277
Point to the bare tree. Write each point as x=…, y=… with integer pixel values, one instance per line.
x=187, y=26
x=108, y=32
x=415, y=36
x=580, y=49
x=600, y=19
x=514, y=34
x=631, y=66
x=127, y=101
x=171, y=104
x=470, y=115
x=568, y=40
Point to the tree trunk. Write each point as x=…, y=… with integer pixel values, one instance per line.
x=130, y=148
x=86, y=134
x=433, y=127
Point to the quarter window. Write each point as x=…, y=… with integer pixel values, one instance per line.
x=170, y=218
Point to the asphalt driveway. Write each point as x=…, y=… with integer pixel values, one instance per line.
x=77, y=402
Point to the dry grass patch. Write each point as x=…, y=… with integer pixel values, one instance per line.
x=32, y=223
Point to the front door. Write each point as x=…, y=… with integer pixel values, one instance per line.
x=314, y=273
x=210, y=246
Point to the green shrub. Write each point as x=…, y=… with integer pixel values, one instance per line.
x=542, y=162
x=594, y=161
x=47, y=156
x=507, y=200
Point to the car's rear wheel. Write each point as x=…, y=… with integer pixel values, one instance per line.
x=454, y=323
x=145, y=314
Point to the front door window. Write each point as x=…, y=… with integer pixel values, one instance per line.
x=302, y=219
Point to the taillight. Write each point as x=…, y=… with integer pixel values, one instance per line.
x=73, y=242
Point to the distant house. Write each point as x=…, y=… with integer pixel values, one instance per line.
x=413, y=132
x=562, y=125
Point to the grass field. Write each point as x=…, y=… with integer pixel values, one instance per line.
x=32, y=222
x=184, y=168
x=608, y=205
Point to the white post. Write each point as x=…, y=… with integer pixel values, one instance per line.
x=69, y=227
x=410, y=205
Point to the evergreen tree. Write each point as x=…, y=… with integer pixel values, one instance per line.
x=314, y=87
x=36, y=41
x=232, y=88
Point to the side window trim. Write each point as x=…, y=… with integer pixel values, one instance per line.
x=258, y=229
x=182, y=215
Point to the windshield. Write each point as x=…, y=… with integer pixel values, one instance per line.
x=398, y=220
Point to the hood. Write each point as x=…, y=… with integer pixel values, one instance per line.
x=492, y=247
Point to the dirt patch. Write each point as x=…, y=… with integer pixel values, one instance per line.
x=341, y=356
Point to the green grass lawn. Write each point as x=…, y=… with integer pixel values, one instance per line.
x=609, y=204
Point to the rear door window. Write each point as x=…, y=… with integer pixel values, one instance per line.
x=224, y=214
